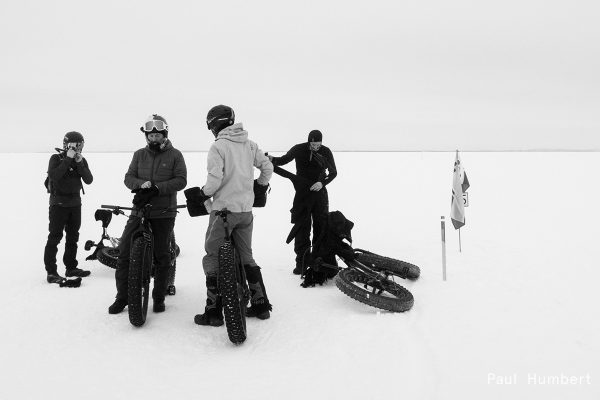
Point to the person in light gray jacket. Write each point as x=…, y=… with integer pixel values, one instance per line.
x=231, y=161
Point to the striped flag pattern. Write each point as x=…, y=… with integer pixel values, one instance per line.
x=460, y=184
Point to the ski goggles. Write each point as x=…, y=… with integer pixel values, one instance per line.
x=155, y=124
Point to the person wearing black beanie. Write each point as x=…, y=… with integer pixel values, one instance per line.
x=315, y=164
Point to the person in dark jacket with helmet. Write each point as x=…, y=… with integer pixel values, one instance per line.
x=314, y=164
x=65, y=173
x=156, y=173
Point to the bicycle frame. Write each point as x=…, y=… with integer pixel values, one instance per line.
x=377, y=277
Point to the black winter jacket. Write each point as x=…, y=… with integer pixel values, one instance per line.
x=65, y=175
x=310, y=167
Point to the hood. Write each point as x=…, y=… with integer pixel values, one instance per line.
x=235, y=133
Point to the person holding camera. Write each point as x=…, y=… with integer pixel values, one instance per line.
x=66, y=171
x=156, y=173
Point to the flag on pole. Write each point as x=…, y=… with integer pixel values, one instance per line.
x=460, y=184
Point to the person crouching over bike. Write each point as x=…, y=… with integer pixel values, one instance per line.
x=156, y=173
x=230, y=182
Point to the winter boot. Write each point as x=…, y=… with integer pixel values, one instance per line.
x=77, y=272
x=54, y=278
x=213, y=312
x=158, y=306
x=297, y=270
x=117, y=306
x=260, y=311
x=259, y=302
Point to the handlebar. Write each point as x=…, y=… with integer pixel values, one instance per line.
x=117, y=209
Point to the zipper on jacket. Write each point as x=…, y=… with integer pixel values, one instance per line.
x=153, y=161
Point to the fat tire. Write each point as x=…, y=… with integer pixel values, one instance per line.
x=108, y=256
x=174, y=244
x=351, y=282
x=233, y=307
x=172, y=269
x=399, y=268
x=140, y=265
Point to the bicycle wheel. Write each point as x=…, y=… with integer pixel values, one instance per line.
x=399, y=268
x=229, y=288
x=174, y=244
x=140, y=265
x=384, y=293
x=108, y=256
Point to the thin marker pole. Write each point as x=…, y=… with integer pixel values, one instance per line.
x=444, y=247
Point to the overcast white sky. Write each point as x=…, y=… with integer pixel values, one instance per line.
x=371, y=75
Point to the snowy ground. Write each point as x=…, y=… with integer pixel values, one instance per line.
x=520, y=299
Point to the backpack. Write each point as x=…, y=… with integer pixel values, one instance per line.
x=48, y=184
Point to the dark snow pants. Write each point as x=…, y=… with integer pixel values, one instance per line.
x=161, y=230
x=67, y=219
x=316, y=216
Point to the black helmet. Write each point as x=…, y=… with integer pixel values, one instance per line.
x=75, y=138
x=157, y=124
x=219, y=117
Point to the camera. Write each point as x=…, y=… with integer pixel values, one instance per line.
x=76, y=147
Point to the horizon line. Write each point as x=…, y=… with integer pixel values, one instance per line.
x=357, y=151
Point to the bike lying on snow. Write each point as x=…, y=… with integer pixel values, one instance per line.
x=109, y=254
x=369, y=283
x=374, y=285
x=368, y=277
x=141, y=262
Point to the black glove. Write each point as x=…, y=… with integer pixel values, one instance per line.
x=195, y=199
x=143, y=196
x=260, y=194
